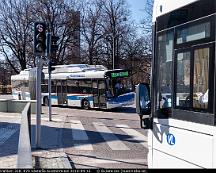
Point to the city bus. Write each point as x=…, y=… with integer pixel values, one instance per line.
x=79, y=85
x=178, y=107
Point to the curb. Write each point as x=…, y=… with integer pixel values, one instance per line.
x=45, y=159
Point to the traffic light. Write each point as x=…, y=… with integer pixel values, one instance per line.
x=50, y=66
x=54, y=44
x=39, y=37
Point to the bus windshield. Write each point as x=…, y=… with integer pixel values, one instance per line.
x=118, y=83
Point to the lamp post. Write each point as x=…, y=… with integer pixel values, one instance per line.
x=115, y=34
x=113, y=53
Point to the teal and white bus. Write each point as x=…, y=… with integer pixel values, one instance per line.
x=79, y=85
x=179, y=106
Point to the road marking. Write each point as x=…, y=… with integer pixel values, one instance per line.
x=112, y=140
x=82, y=146
x=32, y=118
x=80, y=138
x=134, y=134
x=53, y=119
x=78, y=131
x=6, y=133
x=121, y=160
x=10, y=116
x=93, y=161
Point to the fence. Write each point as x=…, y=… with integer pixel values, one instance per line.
x=24, y=157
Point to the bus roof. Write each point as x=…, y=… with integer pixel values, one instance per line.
x=162, y=7
x=78, y=75
x=72, y=68
x=73, y=71
x=24, y=75
x=20, y=77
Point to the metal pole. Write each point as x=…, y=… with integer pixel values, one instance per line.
x=38, y=105
x=49, y=72
x=113, y=52
x=50, y=101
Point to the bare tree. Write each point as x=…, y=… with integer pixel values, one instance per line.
x=147, y=20
x=17, y=18
x=63, y=21
x=109, y=34
x=104, y=27
x=5, y=72
x=142, y=64
x=115, y=27
x=91, y=30
x=15, y=33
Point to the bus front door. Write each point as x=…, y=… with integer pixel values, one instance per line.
x=62, y=92
x=101, y=94
x=99, y=99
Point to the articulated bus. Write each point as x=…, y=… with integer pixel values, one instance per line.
x=79, y=85
x=178, y=108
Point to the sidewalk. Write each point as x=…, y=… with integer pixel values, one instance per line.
x=47, y=159
x=50, y=154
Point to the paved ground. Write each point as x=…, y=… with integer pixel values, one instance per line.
x=105, y=139
x=49, y=155
x=9, y=134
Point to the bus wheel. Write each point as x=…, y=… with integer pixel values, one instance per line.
x=46, y=101
x=85, y=104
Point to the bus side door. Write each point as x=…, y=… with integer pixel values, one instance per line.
x=98, y=88
x=62, y=92
x=95, y=93
x=101, y=94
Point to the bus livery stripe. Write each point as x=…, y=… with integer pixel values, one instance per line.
x=121, y=99
x=80, y=97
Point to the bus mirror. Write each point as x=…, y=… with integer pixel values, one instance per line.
x=147, y=123
x=143, y=104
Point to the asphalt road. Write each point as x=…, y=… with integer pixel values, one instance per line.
x=94, y=138
x=104, y=139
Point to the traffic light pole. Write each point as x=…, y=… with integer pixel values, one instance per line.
x=50, y=101
x=39, y=50
x=38, y=105
x=49, y=78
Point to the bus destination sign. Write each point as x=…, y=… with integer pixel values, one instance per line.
x=119, y=74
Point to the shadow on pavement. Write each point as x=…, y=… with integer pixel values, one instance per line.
x=9, y=138
x=126, y=109
x=52, y=138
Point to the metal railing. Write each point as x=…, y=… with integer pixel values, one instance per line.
x=24, y=157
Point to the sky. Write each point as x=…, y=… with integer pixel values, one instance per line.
x=137, y=9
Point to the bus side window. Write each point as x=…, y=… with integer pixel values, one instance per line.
x=201, y=74
x=183, y=79
x=165, y=67
x=185, y=99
